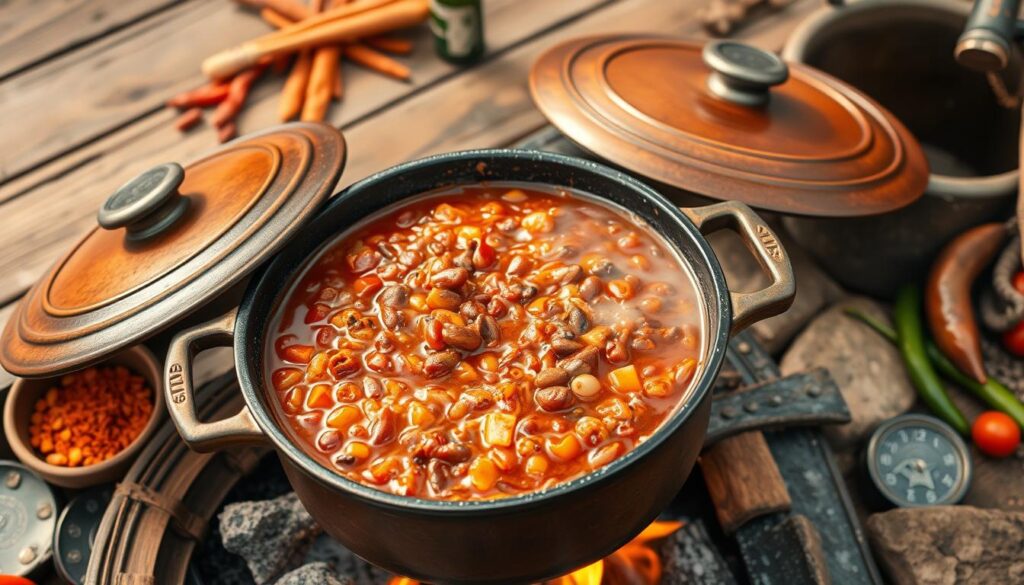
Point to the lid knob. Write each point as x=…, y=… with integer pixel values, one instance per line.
x=742, y=74
x=146, y=205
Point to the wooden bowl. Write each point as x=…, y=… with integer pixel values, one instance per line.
x=21, y=401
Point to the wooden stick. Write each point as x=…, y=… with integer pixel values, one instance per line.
x=362, y=55
x=290, y=9
x=321, y=83
x=383, y=18
x=392, y=45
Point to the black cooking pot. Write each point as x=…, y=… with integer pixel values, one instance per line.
x=518, y=539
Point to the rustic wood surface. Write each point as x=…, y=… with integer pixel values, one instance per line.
x=82, y=89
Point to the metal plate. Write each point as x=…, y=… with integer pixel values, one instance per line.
x=76, y=530
x=815, y=146
x=28, y=514
x=119, y=285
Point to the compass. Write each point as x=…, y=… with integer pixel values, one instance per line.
x=917, y=460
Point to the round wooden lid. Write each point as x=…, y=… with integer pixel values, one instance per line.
x=730, y=121
x=169, y=241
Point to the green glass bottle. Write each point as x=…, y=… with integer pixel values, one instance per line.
x=458, y=27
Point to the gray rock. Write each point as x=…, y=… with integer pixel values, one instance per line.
x=814, y=291
x=326, y=549
x=313, y=574
x=268, y=534
x=867, y=368
x=948, y=545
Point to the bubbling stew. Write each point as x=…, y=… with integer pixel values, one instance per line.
x=485, y=341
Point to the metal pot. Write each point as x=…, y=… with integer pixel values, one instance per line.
x=901, y=52
x=518, y=539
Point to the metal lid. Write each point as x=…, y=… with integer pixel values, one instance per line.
x=76, y=531
x=168, y=242
x=730, y=121
x=28, y=513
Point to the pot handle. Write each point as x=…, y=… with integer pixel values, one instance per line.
x=200, y=436
x=750, y=307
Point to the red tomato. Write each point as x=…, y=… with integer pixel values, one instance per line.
x=13, y=580
x=996, y=434
x=1013, y=340
x=1018, y=282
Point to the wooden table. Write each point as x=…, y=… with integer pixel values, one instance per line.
x=83, y=85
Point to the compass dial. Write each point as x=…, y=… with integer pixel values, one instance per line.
x=917, y=460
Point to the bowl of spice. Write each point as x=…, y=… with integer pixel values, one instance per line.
x=86, y=427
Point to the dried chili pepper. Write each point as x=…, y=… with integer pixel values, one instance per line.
x=948, y=295
x=911, y=341
x=210, y=94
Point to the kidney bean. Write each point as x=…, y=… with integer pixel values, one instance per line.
x=590, y=288
x=395, y=296
x=470, y=310
x=464, y=338
x=490, y=332
x=392, y=318
x=554, y=398
x=564, y=347
x=372, y=388
x=582, y=362
x=578, y=321
x=568, y=274
x=382, y=430
x=343, y=363
x=437, y=475
x=453, y=453
x=440, y=363
x=518, y=266
x=551, y=377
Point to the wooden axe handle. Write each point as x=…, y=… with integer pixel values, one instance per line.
x=743, y=480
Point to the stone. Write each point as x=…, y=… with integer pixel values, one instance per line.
x=313, y=574
x=691, y=557
x=866, y=367
x=345, y=562
x=948, y=545
x=268, y=534
x=814, y=291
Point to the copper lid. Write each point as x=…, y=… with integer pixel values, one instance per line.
x=730, y=121
x=168, y=242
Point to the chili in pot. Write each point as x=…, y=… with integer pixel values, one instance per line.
x=485, y=341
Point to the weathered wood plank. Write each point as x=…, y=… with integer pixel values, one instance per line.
x=31, y=31
x=489, y=105
x=72, y=100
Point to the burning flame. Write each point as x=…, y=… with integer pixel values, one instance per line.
x=636, y=563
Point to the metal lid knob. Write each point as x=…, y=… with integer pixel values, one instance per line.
x=146, y=205
x=742, y=74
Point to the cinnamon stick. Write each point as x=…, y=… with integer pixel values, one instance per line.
x=392, y=45
x=373, y=17
x=339, y=82
x=293, y=94
x=363, y=55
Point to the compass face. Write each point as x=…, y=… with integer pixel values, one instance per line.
x=917, y=460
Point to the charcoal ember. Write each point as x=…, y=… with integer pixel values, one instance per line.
x=313, y=574
x=944, y=545
x=268, y=534
x=691, y=557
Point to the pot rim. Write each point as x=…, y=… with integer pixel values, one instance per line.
x=250, y=329
x=979, y=187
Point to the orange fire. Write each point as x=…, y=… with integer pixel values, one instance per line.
x=636, y=563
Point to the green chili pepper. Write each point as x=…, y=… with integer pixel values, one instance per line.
x=907, y=316
x=993, y=392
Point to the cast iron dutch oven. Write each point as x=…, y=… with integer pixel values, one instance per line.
x=519, y=539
